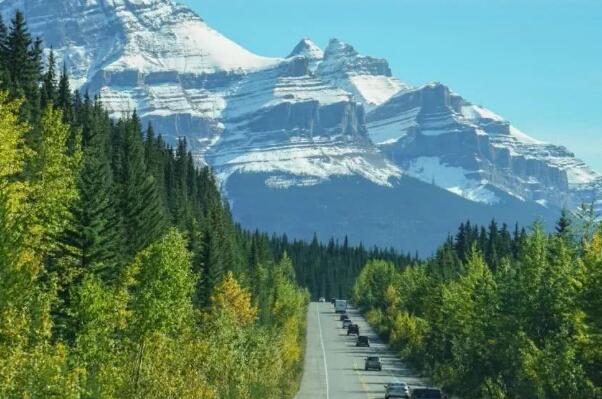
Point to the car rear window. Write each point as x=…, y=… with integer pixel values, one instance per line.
x=372, y=358
x=427, y=394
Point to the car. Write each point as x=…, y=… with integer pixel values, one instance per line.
x=353, y=329
x=340, y=306
x=346, y=323
x=321, y=299
x=373, y=363
x=344, y=316
x=362, y=340
x=397, y=390
x=333, y=300
x=427, y=393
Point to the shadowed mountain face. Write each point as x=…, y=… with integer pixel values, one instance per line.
x=321, y=141
x=408, y=215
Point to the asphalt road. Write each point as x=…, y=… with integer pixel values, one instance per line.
x=334, y=367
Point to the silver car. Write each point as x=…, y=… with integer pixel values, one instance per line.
x=373, y=363
x=399, y=390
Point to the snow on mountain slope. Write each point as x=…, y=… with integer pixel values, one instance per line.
x=318, y=121
x=153, y=56
x=451, y=178
x=285, y=121
x=145, y=36
x=308, y=49
x=368, y=78
x=167, y=37
x=433, y=124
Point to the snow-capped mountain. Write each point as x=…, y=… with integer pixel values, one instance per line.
x=368, y=79
x=308, y=49
x=437, y=136
x=323, y=140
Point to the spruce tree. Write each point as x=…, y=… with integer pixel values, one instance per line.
x=23, y=64
x=3, y=54
x=211, y=261
x=142, y=211
x=48, y=94
x=18, y=46
x=563, y=226
x=96, y=231
x=63, y=96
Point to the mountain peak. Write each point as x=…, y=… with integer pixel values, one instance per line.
x=307, y=48
x=339, y=47
x=146, y=36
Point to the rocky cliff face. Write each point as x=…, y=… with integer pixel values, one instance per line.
x=328, y=139
x=437, y=136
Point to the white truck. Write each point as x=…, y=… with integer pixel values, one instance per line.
x=340, y=306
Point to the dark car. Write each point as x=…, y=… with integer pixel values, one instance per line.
x=362, y=340
x=333, y=300
x=353, y=329
x=427, y=393
x=344, y=316
x=373, y=363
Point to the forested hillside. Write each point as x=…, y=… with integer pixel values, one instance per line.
x=122, y=275
x=496, y=314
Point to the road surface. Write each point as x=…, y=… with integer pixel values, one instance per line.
x=334, y=367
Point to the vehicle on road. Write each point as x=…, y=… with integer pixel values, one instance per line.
x=362, y=340
x=344, y=316
x=321, y=299
x=373, y=363
x=397, y=390
x=427, y=393
x=332, y=300
x=346, y=323
x=340, y=306
x=353, y=329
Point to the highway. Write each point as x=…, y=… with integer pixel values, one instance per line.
x=334, y=367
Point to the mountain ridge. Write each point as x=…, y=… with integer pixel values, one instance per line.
x=304, y=120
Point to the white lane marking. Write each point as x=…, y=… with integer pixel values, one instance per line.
x=323, y=351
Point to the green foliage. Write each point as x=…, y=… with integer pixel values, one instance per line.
x=523, y=324
x=32, y=364
x=122, y=274
x=162, y=295
x=142, y=211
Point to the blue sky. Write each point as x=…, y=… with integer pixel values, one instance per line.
x=538, y=63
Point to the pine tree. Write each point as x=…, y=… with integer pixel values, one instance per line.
x=63, y=96
x=142, y=211
x=563, y=226
x=3, y=40
x=212, y=260
x=491, y=251
x=18, y=43
x=48, y=95
x=23, y=64
x=3, y=55
x=96, y=231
